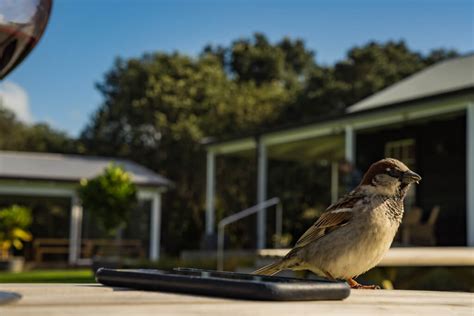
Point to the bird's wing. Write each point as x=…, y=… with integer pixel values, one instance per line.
x=336, y=215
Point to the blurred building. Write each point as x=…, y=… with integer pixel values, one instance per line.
x=425, y=120
x=48, y=184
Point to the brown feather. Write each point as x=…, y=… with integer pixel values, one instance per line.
x=330, y=219
x=327, y=220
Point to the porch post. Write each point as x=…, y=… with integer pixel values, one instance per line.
x=470, y=173
x=261, y=193
x=349, y=144
x=75, y=230
x=334, y=181
x=155, y=231
x=210, y=193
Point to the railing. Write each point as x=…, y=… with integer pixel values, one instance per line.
x=242, y=214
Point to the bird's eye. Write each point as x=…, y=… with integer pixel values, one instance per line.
x=393, y=172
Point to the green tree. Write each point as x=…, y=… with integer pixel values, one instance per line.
x=157, y=110
x=365, y=70
x=109, y=197
x=257, y=60
x=18, y=136
x=440, y=54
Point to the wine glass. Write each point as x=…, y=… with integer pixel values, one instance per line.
x=22, y=22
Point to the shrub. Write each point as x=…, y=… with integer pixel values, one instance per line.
x=14, y=223
x=109, y=197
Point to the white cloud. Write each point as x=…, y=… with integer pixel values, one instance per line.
x=15, y=98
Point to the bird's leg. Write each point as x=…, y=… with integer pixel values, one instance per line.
x=356, y=285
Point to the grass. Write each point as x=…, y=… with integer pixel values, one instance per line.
x=86, y=275
x=49, y=276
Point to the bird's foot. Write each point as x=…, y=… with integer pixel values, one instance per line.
x=356, y=285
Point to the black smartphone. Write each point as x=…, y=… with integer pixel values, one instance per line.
x=224, y=284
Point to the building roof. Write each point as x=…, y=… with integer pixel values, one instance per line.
x=443, y=77
x=70, y=168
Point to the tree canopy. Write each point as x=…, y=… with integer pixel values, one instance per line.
x=18, y=136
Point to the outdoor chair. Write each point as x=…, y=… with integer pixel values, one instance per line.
x=414, y=232
x=411, y=219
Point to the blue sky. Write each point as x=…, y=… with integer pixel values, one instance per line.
x=55, y=83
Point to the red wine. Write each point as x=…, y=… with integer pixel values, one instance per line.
x=14, y=46
x=20, y=29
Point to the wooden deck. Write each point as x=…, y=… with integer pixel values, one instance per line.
x=97, y=300
x=410, y=256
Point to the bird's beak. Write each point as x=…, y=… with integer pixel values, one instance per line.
x=410, y=176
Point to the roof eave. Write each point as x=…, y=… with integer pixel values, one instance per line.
x=329, y=118
x=168, y=184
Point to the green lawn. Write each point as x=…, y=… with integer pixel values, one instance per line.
x=49, y=276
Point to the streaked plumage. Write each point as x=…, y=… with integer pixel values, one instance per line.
x=353, y=234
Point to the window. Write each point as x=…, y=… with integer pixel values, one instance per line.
x=403, y=150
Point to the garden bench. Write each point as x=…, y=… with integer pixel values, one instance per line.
x=89, y=248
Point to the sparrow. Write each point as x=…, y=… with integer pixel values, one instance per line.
x=353, y=234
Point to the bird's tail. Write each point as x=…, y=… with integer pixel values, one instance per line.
x=271, y=269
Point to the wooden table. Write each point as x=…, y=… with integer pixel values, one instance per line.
x=93, y=299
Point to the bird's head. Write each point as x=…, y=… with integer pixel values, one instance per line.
x=389, y=177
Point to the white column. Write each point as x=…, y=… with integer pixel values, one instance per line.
x=155, y=229
x=75, y=230
x=261, y=193
x=210, y=192
x=470, y=174
x=334, y=181
x=350, y=144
